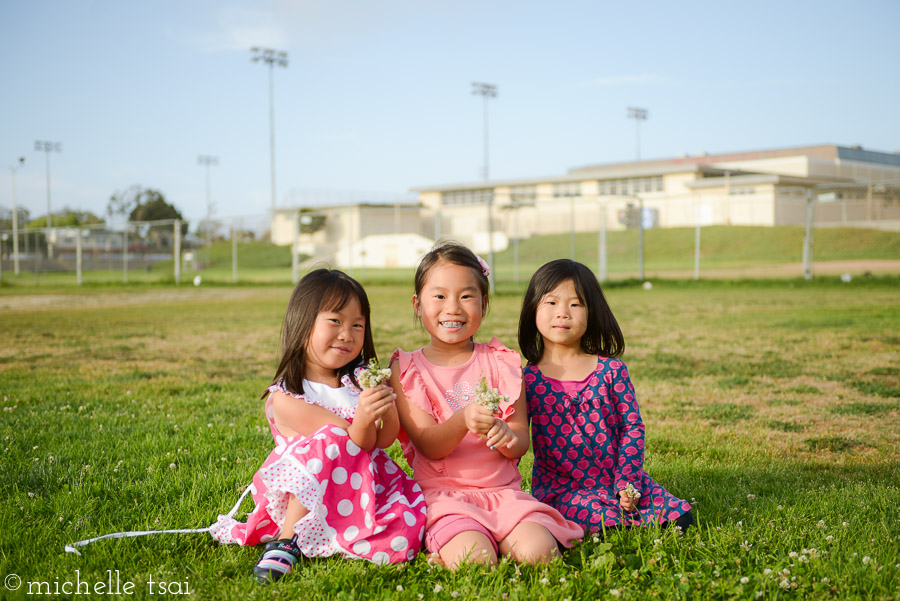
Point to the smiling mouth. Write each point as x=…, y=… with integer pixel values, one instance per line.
x=340, y=349
x=453, y=324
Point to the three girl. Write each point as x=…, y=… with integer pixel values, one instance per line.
x=464, y=456
x=328, y=487
x=586, y=426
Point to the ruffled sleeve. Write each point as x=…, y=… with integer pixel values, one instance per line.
x=413, y=384
x=279, y=387
x=508, y=376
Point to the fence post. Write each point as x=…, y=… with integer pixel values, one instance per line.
x=697, y=245
x=295, y=239
x=234, y=231
x=807, y=236
x=125, y=255
x=640, y=238
x=601, y=244
x=177, y=251
x=78, y=243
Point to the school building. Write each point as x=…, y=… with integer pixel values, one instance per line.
x=761, y=187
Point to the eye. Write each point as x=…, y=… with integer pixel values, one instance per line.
x=359, y=326
x=549, y=302
x=439, y=296
x=334, y=320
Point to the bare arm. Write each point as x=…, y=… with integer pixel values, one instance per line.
x=295, y=416
x=432, y=439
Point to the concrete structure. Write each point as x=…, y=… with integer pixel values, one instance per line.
x=748, y=188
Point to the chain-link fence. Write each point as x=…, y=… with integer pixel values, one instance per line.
x=826, y=229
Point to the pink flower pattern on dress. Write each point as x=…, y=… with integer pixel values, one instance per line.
x=589, y=446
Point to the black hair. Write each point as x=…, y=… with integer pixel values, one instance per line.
x=457, y=254
x=602, y=336
x=318, y=291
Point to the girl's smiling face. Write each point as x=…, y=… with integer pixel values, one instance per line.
x=337, y=338
x=450, y=304
x=561, y=316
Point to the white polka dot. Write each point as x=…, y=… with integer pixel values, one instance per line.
x=399, y=543
x=314, y=465
x=319, y=436
x=266, y=538
x=379, y=529
x=410, y=554
x=351, y=533
x=339, y=431
x=381, y=558
x=421, y=532
x=332, y=451
x=368, y=521
x=362, y=547
x=355, y=481
x=339, y=475
x=390, y=467
x=364, y=500
x=379, y=489
x=353, y=448
x=345, y=507
x=390, y=516
x=409, y=518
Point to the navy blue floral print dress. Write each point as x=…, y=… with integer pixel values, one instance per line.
x=590, y=445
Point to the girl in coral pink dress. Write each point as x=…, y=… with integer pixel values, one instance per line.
x=328, y=487
x=464, y=455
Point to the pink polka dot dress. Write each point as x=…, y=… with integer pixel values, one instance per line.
x=589, y=444
x=361, y=504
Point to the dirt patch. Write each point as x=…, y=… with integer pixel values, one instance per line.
x=33, y=302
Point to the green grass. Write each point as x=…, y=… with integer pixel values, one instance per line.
x=128, y=408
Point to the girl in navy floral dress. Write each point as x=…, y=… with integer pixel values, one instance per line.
x=586, y=427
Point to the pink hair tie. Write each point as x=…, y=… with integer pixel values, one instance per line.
x=485, y=268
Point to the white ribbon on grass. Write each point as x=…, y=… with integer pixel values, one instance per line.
x=132, y=533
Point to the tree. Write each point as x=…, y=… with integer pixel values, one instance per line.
x=147, y=204
x=67, y=218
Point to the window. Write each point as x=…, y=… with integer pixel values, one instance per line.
x=467, y=197
x=522, y=194
x=567, y=189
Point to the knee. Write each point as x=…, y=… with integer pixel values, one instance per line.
x=538, y=549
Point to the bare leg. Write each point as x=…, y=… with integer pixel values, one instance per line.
x=530, y=543
x=295, y=511
x=468, y=547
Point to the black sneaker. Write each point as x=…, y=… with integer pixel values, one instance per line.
x=277, y=560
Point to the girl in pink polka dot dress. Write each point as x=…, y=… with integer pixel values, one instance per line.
x=465, y=454
x=328, y=487
x=585, y=422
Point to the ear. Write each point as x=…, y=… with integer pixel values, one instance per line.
x=415, y=304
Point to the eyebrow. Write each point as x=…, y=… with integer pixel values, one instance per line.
x=442, y=288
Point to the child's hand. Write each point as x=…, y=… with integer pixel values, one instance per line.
x=374, y=403
x=479, y=419
x=501, y=434
x=626, y=503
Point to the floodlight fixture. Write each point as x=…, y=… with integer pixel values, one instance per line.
x=638, y=114
x=270, y=57
x=47, y=147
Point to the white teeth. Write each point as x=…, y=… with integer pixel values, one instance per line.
x=452, y=324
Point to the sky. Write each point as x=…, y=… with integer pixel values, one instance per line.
x=377, y=96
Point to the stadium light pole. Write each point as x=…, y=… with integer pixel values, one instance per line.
x=48, y=147
x=271, y=57
x=638, y=114
x=487, y=91
x=15, y=215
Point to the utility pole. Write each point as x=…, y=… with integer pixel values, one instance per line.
x=208, y=161
x=487, y=91
x=15, y=215
x=48, y=147
x=638, y=114
x=271, y=57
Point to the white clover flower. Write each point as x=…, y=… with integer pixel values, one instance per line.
x=562, y=580
x=399, y=588
x=792, y=555
x=656, y=541
x=780, y=507
x=803, y=559
x=751, y=497
x=784, y=584
x=489, y=397
x=758, y=594
x=614, y=592
x=829, y=538
x=820, y=524
x=454, y=594
x=745, y=580
x=844, y=524
x=866, y=559
x=438, y=588
x=545, y=581
x=825, y=579
x=767, y=571
x=31, y=495
x=373, y=375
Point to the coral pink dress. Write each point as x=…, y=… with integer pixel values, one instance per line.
x=473, y=481
x=361, y=504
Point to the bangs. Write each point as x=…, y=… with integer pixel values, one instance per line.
x=337, y=295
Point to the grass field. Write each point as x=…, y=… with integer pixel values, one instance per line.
x=774, y=407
